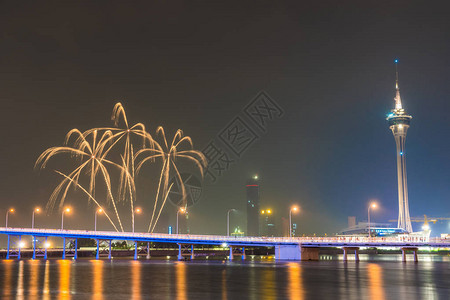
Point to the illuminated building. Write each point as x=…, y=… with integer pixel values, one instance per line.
x=267, y=224
x=399, y=123
x=252, y=189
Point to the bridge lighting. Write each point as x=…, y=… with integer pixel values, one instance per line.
x=255, y=177
x=98, y=211
x=138, y=210
x=269, y=211
x=373, y=205
x=36, y=210
x=224, y=245
x=21, y=244
x=293, y=209
x=46, y=245
x=66, y=210
x=181, y=210
x=263, y=212
x=11, y=210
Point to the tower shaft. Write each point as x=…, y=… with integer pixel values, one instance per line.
x=399, y=131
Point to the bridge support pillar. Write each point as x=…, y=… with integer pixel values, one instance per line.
x=8, y=247
x=46, y=248
x=75, y=254
x=415, y=251
x=64, y=249
x=231, y=254
x=192, y=252
x=109, y=253
x=243, y=253
x=148, y=250
x=180, y=257
x=34, y=246
x=296, y=252
x=135, y=250
x=20, y=248
x=97, y=253
x=346, y=249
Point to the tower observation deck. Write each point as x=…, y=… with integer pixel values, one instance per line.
x=399, y=122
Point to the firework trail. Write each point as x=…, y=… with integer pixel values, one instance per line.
x=170, y=155
x=92, y=159
x=90, y=197
x=127, y=173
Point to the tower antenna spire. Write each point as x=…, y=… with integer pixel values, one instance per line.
x=398, y=100
x=396, y=74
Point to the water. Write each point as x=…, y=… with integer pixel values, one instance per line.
x=260, y=279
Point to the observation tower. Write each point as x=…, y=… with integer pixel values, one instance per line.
x=399, y=123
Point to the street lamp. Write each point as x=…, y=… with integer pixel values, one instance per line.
x=295, y=208
x=373, y=205
x=228, y=220
x=98, y=211
x=181, y=210
x=67, y=210
x=138, y=211
x=36, y=210
x=11, y=210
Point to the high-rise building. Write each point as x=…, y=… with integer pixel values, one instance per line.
x=399, y=123
x=268, y=223
x=252, y=188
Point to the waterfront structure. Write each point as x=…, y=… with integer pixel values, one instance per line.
x=252, y=189
x=304, y=248
x=399, y=122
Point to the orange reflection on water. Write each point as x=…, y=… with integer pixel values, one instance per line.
x=64, y=278
x=180, y=274
x=97, y=272
x=7, y=277
x=34, y=277
x=46, y=290
x=224, y=285
x=295, y=284
x=136, y=280
x=269, y=288
x=20, y=289
x=375, y=282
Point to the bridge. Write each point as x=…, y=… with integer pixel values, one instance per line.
x=296, y=248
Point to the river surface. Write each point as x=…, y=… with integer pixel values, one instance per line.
x=378, y=277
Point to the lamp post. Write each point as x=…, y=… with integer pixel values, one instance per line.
x=373, y=205
x=67, y=209
x=228, y=221
x=182, y=210
x=138, y=211
x=98, y=211
x=11, y=210
x=295, y=208
x=36, y=210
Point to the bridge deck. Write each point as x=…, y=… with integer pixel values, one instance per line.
x=235, y=241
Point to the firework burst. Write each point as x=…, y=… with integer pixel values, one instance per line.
x=181, y=148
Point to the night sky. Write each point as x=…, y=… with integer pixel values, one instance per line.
x=195, y=65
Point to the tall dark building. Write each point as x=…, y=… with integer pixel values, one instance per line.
x=253, y=206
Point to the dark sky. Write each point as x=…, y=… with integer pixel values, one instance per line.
x=195, y=65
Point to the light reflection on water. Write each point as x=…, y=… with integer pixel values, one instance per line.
x=128, y=279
